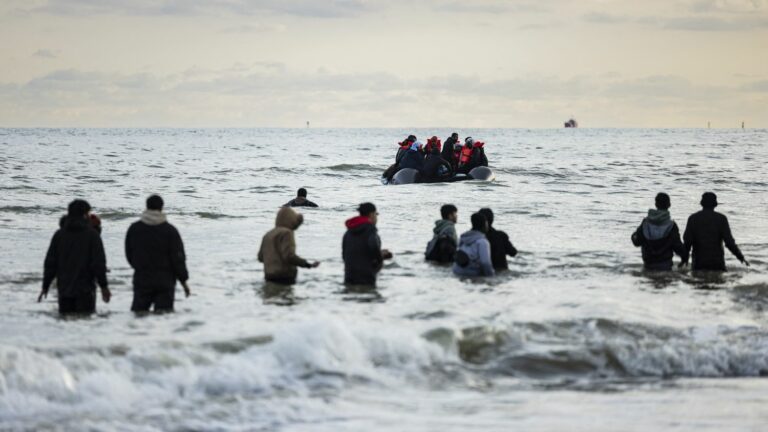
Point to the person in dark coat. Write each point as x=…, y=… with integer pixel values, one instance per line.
x=361, y=248
x=77, y=261
x=413, y=158
x=705, y=233
x=659, y=237
x=449, y=149
x=435, y=167
x=403, y=148
x=500, y=244
x=155, y=250
x=300, y=200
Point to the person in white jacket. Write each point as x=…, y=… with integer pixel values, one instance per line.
x=473, y=257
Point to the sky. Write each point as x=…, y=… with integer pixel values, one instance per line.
x=383, y=63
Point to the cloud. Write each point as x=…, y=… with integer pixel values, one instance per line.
x=254, y=28
x=685, y=23
x=756, y=86
x=269, y=94
x=46, y=54
x=308, y=8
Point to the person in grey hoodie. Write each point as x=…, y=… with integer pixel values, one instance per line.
x=474, y=255
x=442, y=247
x=658, y=236
x=155, y=250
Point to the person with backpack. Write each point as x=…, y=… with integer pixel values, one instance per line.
x=443, y=245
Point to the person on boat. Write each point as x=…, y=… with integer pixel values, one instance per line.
x=435, y=167
x=413, y=158
x=403, y=148
x=278, y=249
x=76, y=260
x=361, y=247
x=449, y=149
x=705, y=233
x=501, y=247
x=300, y=200
x=155, y=250
x=659, y=237
x=433, y=142
x=473, y=258
x=444, y=241
x=472, y=155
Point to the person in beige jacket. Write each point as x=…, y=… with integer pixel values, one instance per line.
x=278, y=249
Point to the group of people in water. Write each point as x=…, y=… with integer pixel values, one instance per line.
x=436, y=161
x=155, y=250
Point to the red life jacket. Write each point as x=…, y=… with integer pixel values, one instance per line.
x=478, y=144
x=432, y=143
x=466, y=155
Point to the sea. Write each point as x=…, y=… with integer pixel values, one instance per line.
x=574, y=337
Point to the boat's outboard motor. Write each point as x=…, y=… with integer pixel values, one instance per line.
x=482, y=173
x=406, y=176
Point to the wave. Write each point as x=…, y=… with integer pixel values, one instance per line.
x=356, y=167
x=596, y=348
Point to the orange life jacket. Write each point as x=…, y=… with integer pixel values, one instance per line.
x=466, y=155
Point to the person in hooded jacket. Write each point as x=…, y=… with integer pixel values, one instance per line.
x=155, y=250
x=443, y=245
x=76, y=259
x=435, y=167
x=404, y=147
x=278, y=249
x=414, y=158
x=361, y=248
x=705, y=232
x=501, y=247
x=473, y=258
x=659, y=237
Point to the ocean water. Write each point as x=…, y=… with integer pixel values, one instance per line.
x=574, y=337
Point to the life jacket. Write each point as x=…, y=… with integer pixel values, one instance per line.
x=478, y=144
x=432, y=143
x=466, y=155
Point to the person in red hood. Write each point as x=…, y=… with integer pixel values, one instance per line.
x=361, y=248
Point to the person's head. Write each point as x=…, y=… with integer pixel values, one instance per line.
x=468, y=141
x=78, y=209
x=449, y=212
x=709, y=200
x=154, y=202
x=302, y=193
x=288, y=218
x=488, y=213
x=455, y=136
x=411, y=138
x=368, y=210
x=662, y=201
x=479, y=222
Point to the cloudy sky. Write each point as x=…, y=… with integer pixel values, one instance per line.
x=387, y=63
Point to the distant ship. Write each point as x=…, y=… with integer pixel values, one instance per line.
x=572, y=123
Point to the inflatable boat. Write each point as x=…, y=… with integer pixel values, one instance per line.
x=410, y=175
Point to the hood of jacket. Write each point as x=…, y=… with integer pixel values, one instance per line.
x=74, y=224
x=358, y=224
x=288, y=218
x=657, y=224
x=153, y=217
x=443, y=227
x=471, y=237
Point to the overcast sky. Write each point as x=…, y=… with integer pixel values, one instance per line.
x=383, y=63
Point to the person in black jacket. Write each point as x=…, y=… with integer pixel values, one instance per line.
x=361, y=248
x=156, y=252
x=706, y=232
x=435, y=167
x=658, y=237
x=76, y=260
x=449, y=151
x=500, y=244
x=300, y=200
